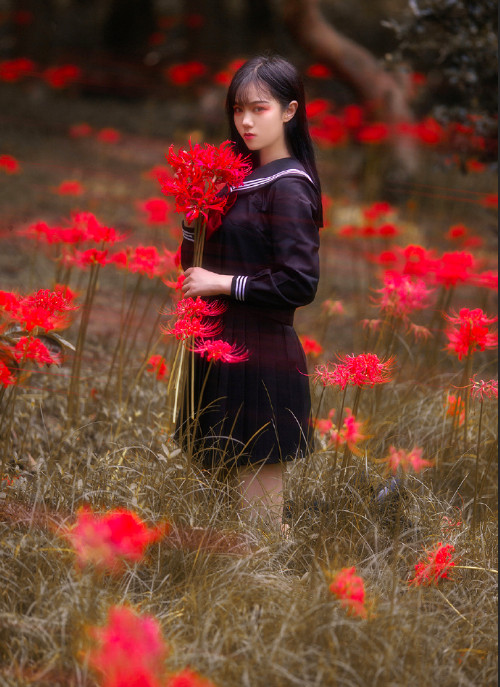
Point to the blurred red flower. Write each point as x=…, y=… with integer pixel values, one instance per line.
x=470, y=333
x=157, y=366
x=364, y=370
x=86, y=258
x=329, y=130
x=16, y=69
x=93, y=230
x=157, y=209
x=188, y=678
x=455, y=267
x=9, y=164
x=30, y=348
x=60, y=77
x=352, y=117
x=406, y=460
x=377, y=210
x=221, y=350
x=185, y=73
x=109, y=540
x=44, y=309
x=373, y=133
x=490, y=200
x=436, y=567
x=418, y=261
x=349, y=588
x=108, y=135
x=402, y=294
x=80, y=130
x=70, y=188
x=454, y=406
x=311, y=346
x=331, y=307
x=319, y=71
x=317, y=107
x=6, y=376
x=429, y=131
x=130, y=650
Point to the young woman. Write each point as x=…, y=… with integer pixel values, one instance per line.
x=263, y=261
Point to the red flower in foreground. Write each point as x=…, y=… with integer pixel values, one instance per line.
x=221, y=350
x=45, y=309
x=130, y=650
x=405, y=459
x=436, y=567
x=158, y=366
x=365, y=369
x=6, y=376
x=471, y=332
x=200, y=173
x=29, y=348
x=349, y=588
x=110, y=539
x=9, y=164
x=311, y=346
x=481, y=389
x=188, y=678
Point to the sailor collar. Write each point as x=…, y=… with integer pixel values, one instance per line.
x=267, y=174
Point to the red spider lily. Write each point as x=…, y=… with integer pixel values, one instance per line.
x=188, y=678
x=45, y=309
x=200, y=174
x=481, y=389
x=197, y=307
x=221, y=350
x=352, y=117
x=187, y=327
x=157, y=171
x=94, y=230
x=311, y=346
x=108, y=135
x=178, y=284
x=373, y=133
x=16, y=69
x=157, y=210
x=70, y=188
x=350, y=432
x=377, y=210
x=9, y=164
x=457, y=232
x=365, y=369
x=9, y=301
x=59, y=77
x=109, y=540
x=349, y=588
x=332, y=308
x=6, y=376
x=368, y=231
x=418, y=261
x=429, y=131
x=488, y=280
x=130, y=650
x=325, y=425
x=439, y=562
x=472, y=332
x=317, y=107
x=82, y=130
x=29, y=348
x=185, y=73
x=406, y=460
x=387, y=230
x=157, y=366
x=455, y=406
x=420, y=332
x=490, y=201
x=402, y=294
x=453, y=268
x=319, y=71
x=143, y=260
x=85, y=258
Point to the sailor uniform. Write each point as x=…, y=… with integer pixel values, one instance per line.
x=259, y=410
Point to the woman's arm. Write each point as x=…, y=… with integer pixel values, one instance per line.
x=201, y=282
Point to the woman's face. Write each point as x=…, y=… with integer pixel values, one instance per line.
x=260, y=121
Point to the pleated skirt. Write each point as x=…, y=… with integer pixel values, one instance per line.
x=257, y=411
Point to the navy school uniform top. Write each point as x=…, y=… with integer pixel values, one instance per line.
x=259, y=410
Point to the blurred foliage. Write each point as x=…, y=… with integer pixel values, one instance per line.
x=454, y=42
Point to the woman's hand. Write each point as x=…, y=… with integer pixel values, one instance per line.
x=200, y=282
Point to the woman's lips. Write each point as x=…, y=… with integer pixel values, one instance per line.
x=248, y=135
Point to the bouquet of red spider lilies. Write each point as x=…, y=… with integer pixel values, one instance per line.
x=203, y=176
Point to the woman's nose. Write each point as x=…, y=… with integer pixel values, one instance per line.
x=247, y=119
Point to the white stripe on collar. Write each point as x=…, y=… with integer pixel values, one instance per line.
x=256, y=183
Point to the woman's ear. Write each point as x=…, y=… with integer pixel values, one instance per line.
x=290, y=110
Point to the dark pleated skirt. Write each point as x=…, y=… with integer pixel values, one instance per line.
x=257, y=411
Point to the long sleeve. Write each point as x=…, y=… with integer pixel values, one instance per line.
x=187, y=247
x=292, y=277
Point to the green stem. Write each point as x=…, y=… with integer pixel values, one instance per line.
x=477, y=470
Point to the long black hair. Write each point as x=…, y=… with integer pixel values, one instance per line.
x=276, y=76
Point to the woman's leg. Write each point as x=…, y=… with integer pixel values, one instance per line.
x=261, y=490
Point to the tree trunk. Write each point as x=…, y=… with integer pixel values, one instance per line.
x=378, y=89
